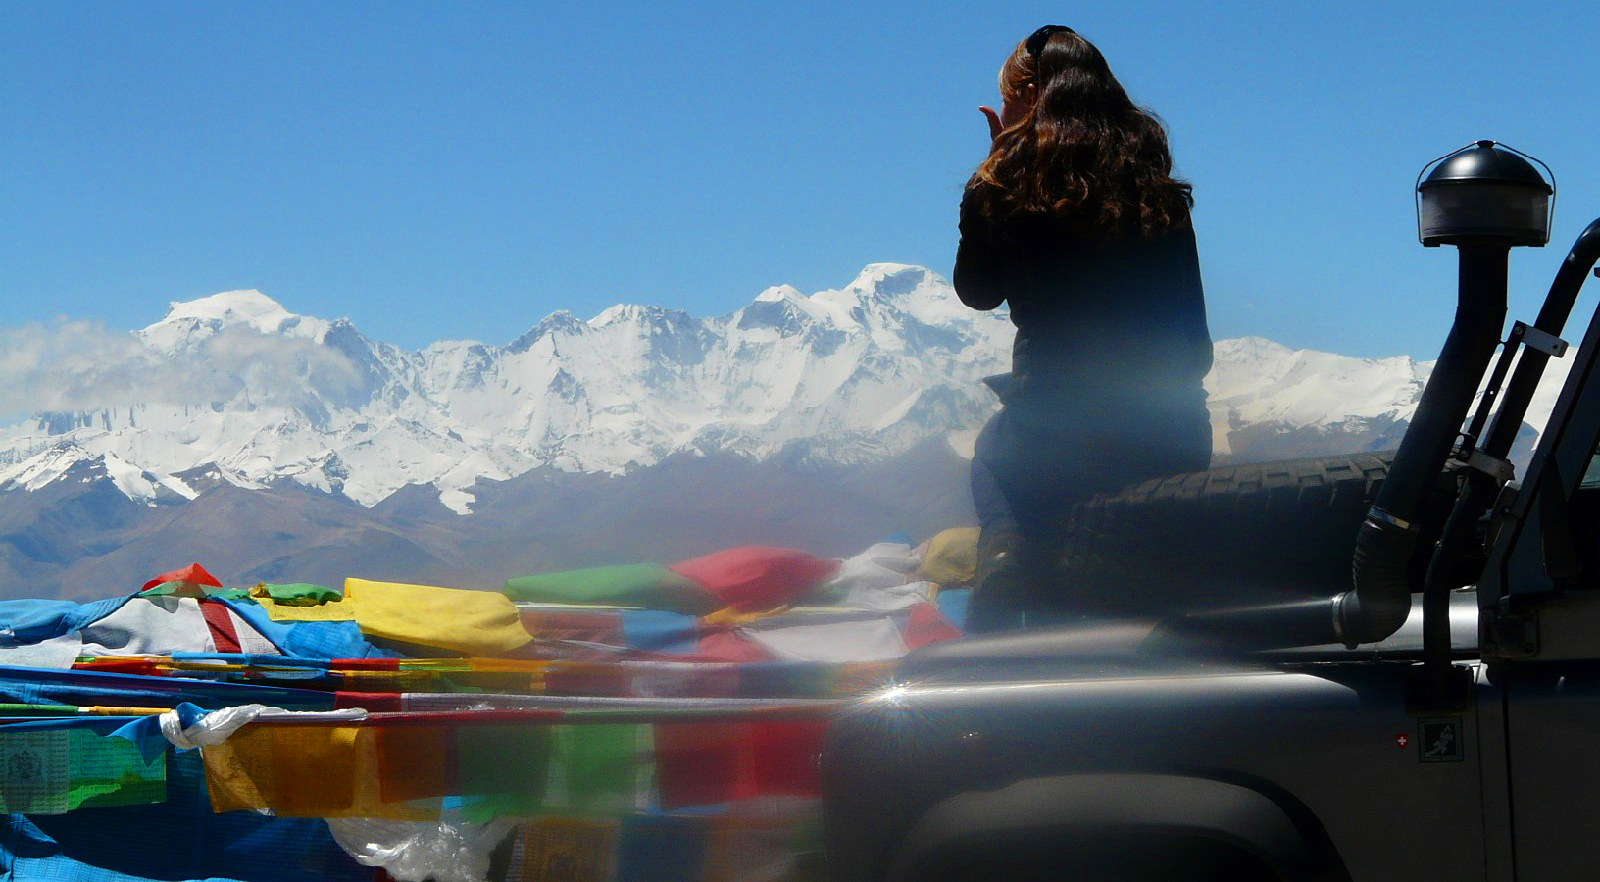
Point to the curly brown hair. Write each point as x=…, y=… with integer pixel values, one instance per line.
x=1082, y=151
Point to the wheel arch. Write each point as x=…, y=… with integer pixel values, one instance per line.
x=1276, y=831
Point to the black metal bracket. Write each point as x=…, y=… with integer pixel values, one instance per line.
x=1511, y=630
x=1501, y=470
x=1432, y=691
x=1542, y=341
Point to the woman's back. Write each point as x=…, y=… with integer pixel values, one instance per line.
x=1103, y=327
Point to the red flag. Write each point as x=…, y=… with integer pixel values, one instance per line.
x=924, y=625
x=757, y=577
x=702, y=763
x=193, y=574
x=785, y=757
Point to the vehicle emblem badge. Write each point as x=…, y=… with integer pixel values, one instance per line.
x=1440, y=741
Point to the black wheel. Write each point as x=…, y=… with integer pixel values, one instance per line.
x=1230, y=536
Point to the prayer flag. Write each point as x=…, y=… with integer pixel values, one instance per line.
x=565, y=850
x=602, y=767
x=190, y=581
x=787, y=757
x=470, y=622
x=701, y=764
x=296, y=771
x=662, y=848
x=650, y=586
x=757, y=577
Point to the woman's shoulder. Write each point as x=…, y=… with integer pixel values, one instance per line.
x=1177, y=237
x=1020, y=227
x=1069, y=233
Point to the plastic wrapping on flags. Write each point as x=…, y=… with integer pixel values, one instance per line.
x=413, y=851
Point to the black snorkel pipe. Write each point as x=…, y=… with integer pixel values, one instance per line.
x=1484, y=199
x=1380, y=600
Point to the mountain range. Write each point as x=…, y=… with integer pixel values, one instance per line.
x=271, y=445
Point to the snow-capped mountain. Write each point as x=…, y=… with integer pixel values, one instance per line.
x=235, y=389
x=1271, y=402
x=246, y=392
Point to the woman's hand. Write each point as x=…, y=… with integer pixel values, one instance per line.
x=994, y=121
x=1010, y=113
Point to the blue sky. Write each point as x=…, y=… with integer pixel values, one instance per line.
x=458, y=170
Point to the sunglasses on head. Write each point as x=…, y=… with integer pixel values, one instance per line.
x=1036, y=40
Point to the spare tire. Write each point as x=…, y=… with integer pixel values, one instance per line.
x=1235, y=535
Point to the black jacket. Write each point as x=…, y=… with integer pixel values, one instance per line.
x=1109, y=333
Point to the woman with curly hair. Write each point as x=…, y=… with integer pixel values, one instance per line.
x=1075, y=220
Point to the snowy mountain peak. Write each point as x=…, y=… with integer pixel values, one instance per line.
x=1252, y=347
x=613, y=314
x=889, y=279
x=779, y=294
x=249, y=308
x=560, y=321
x=192, y=321
x=638, y=314
x=247, y=305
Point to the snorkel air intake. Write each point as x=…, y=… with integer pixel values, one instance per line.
x=1483, y=198
x=1380, y=600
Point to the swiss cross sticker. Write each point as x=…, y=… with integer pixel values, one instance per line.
x=1402, y=740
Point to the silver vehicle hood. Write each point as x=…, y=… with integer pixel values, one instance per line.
x=1134, y=643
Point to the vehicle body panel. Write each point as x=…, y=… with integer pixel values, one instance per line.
x=905, y=750
x=1554, y=734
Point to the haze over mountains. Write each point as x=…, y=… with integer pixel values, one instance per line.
x=270, y=445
